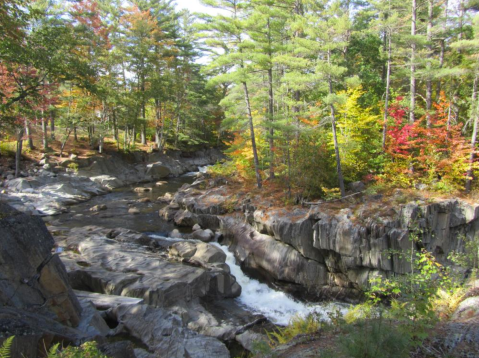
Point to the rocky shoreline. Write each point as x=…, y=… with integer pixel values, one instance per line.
x=50, y=186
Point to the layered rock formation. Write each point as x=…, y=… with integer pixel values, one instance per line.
x=328, y=251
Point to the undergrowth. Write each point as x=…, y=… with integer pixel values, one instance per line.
x=86, y=350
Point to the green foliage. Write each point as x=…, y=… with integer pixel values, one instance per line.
x=310, y=324
x=6, y=347
x=86, y=350
x=221, y=170
x=8, y=149
x=371, y=338
x=73, y=166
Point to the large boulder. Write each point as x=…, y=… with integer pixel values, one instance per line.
x=163, y=333
x=120, y=266
x=158, y=170
x=31, y=277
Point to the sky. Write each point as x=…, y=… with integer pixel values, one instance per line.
x=194, y=6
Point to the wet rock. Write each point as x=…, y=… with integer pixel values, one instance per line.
x=121, y=267
x=209, y=254
x=168, y=212
x=144, y=200
x=185, y=218
x=161, y=183
x=203, y=235
x=158, y=170
x=141, y=190
x=196, y=227
x=133, y=211
x=165, y=198
x=107, y=181
x=97, y=208
x=183, y=249
x=175, y=234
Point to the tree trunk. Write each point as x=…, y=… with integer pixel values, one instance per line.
x=253, y=140
x=271, y=118
x=428, y=64
x=143, y=133
x=18, y=154
x=443, y=49
x=44, y=132
x=52, y=125
x=28, y=131
x=412, y=90
x=64, y=142
x=335, y=136
x=386, y=99
x=100, y=146
x=75, y=136
x=475, y=113
x=133, y=135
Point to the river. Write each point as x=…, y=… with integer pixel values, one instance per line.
x=256, y=297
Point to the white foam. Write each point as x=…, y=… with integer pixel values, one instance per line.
x=277, y=306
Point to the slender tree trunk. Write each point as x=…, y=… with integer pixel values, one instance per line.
x=52, y=125
x=133, y=135
x=100, y=146
x=475, y=113
x=44, y=131
x=178, y=125
x=253, y=140
x=428, y=64
x=64, y=142
x=18, y=154
x=143, y=133
x=462, y=12
x=412, y=90
x=115, y=125
x=271, y=119
x=75, y=136
x=28, y=131
x=443, y=48
x=335, y=136
x=270, y=106
x=386, y=99
x=125, y=138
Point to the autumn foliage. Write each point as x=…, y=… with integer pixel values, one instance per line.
x=434, y=154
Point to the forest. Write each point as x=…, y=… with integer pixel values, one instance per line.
x=309, y=94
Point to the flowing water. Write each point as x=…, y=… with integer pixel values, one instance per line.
x=256, y=297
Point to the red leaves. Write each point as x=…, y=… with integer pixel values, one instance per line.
x=436, y=151
x=401, y=133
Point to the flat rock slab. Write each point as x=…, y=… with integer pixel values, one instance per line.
x=122, y=267
x=104, y=302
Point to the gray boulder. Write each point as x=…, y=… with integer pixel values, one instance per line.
x=31, y=276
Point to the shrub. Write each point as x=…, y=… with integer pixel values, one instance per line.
x=298, y=325
x=374, y=338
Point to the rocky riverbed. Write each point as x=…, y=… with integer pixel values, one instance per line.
x=175, y=285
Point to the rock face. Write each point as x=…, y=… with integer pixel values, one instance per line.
x=115, y=263
x=321, y=252
x=37, y=304
x=31, y=277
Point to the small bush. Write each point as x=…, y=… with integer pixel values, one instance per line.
x=73, y=166
x=298, y=325
x=8, y=149
x=374, y=338
x=226, y=169
x=86, y=350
